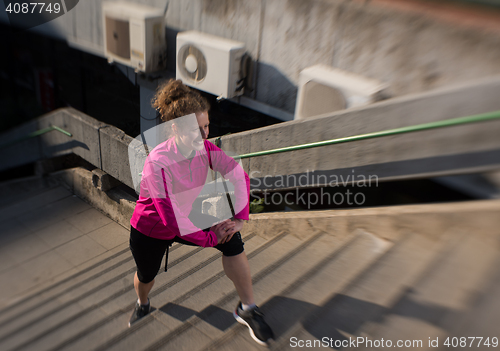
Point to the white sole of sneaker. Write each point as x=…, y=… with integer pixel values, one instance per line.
x=242, y=321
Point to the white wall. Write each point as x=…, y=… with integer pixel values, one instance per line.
x=411, y=52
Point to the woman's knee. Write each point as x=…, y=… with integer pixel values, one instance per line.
x=145, y=278
x=233, y=247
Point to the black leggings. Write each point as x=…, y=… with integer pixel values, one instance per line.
x=148, y=252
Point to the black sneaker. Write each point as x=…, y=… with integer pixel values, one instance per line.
x=139, y=312
x=254, y=320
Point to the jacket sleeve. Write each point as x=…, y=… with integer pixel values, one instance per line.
x=231, y=170
x=158, y=180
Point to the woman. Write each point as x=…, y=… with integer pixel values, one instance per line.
x=173, y=176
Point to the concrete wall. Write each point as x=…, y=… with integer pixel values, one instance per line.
x=85, y=139
x=406, y=48
x=104, y=146
x=452, y=150
x=385, y=222
x=114, y=151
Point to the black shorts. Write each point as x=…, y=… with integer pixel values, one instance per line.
x=148, y=252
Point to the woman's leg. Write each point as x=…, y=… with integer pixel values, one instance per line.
x=238, y=270
x=234, y=259
x=148, y=254
x=142, y=289
x=236, y=267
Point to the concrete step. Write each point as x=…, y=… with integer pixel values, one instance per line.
x=185, y=276
x=35, y=260
x=346, y=313
x=270, y=252
x=107, y=304
x=15, y=222
x=326, y=274
x=77, y=296
x=270, y=273
x=62, y=292
x=438, y=301
x=482, y=320
x=198, y=283
x=323, y=258
x=271, y=287
x=88, y=284
x=17, y=190
x=53, y=196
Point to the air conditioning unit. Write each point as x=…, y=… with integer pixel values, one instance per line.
x=324, y=89
x=210, y=63
x=134, y=35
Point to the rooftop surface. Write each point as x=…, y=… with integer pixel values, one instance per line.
x=402, y=273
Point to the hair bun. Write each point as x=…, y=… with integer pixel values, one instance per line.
x=174, y=99
x=175, y=90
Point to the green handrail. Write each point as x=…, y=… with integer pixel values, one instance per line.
x=416, y=128
x=35, y=134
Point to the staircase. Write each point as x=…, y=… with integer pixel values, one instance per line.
x=399, y=273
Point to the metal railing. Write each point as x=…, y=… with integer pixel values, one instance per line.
x=35, y=134
x=416, y=128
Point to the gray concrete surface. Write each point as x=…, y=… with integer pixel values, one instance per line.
x=406, y=272
x=115, y=203
x=447, y=151
x=422, y=154
x=84, y=142
x=48, y=235
x=399, y=44
x=114, y=150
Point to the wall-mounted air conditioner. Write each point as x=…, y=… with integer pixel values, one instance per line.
x=210, y=63
x=324, y=89
x=134, y=35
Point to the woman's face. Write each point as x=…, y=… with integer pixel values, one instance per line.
x=191, y=137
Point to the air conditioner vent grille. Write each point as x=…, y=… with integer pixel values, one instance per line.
x=197, y=72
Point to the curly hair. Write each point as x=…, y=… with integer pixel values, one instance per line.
x=174, y=99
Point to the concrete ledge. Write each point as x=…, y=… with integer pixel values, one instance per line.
x=385, y=222
x=388, y=223
x=114, y=150
x=439, y=152
x=460, y=149
x=103, y=181
x=90, y=140
x=85, y=139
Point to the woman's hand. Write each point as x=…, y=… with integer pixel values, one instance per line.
x=222, y=230
x=225, y=230
x=237, y=226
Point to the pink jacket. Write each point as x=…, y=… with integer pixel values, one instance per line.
x=170, y=184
